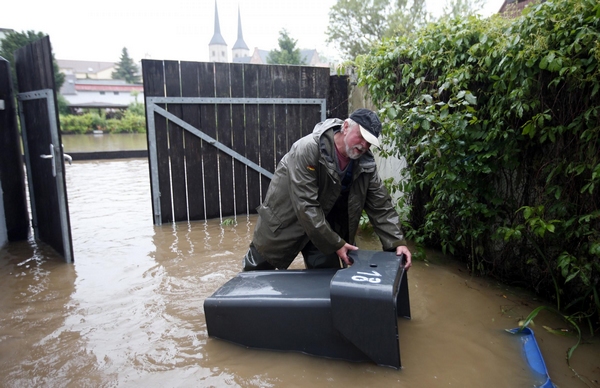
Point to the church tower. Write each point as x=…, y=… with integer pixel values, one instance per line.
x=217, y=47
x=240, y=49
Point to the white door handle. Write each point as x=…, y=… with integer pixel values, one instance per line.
x=51, y=156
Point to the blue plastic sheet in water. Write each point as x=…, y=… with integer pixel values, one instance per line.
x=533, y=355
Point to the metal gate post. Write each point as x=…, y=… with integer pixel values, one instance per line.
x=152, y=154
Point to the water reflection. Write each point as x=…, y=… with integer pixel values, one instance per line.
x=104, y=142
x=129, y=312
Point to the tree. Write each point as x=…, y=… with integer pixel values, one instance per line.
x=355, y=25
x=14, y=41
x=126, y=69
x=458, y=8
x=287, y=53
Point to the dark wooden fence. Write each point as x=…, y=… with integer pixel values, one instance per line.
x=12, y=174
x=196, y=180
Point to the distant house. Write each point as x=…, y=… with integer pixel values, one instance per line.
x=310, y=58
x=89, y=84
x=100, y=94
x=87, y=69
x=258, y=56
x=514, y=8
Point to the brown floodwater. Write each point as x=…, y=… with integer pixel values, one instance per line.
x=104, y=142
x=129, y=311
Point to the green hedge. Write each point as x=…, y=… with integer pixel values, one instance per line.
x=498, y=121
x=130, y=122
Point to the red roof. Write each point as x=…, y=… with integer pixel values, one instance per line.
x=514, y=8
x=108, y=88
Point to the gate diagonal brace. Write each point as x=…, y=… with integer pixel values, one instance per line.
x=152, y=108
x=211, y=141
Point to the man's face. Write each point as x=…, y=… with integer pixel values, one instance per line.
x=355, y=144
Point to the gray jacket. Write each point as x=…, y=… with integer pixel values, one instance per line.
x=304, y=189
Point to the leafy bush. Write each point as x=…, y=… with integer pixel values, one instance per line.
x=97, y=122
x=498, y=121
x=76, y=124
x=129, y=122
x=137, y=108
x=132, y=123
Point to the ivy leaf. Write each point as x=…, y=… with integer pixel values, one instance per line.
x=529, y=129
x=471, y=99
x=392, y=113
x=444, y=86
x=555, y=65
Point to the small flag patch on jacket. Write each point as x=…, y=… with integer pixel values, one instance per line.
x=311, y=168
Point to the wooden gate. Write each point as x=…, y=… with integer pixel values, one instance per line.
x=216, y=131
x=43, y=146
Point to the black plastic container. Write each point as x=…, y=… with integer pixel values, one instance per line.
x=348, y=314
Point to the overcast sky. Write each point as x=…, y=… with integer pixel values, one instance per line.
x=172, y=29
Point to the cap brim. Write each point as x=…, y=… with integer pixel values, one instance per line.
x=369, y=137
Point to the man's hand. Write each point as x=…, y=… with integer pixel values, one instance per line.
x=343, y=253
x=404, y=250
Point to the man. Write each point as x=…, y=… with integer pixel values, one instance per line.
x=317, y=195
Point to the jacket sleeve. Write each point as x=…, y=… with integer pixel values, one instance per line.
x=382, y=215
x=303, y=167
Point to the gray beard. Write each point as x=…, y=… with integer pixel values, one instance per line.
x=353, y=153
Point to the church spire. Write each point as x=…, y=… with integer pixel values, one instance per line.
x=217, y=46
x=239, y=43
x=239, y=50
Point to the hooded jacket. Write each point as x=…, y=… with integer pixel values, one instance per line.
x=305, y=187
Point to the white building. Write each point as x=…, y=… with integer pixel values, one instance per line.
x=217, y=48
